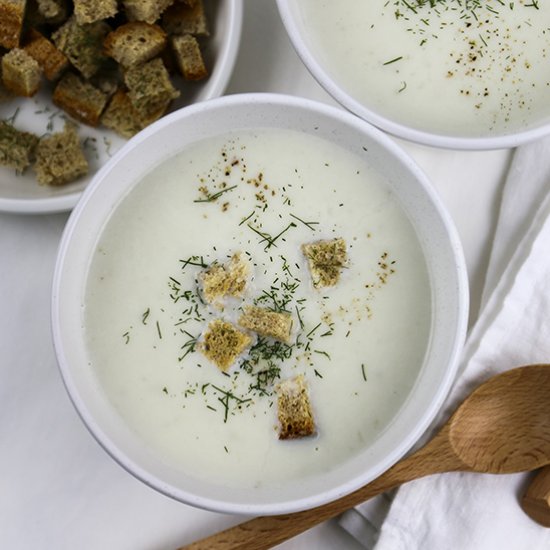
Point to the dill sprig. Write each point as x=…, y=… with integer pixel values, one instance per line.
x=307, y=224
x=215, y=196
x=267, y=238
x=193, y=260
x=228, y=398
x=189, y=346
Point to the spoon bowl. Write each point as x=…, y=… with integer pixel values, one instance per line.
x=502, y=427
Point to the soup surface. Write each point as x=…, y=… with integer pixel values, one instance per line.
x=459, y=67
x=358, y=344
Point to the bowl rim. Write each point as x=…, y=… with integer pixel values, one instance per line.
x=214, y=87
x=352, y=484
x=423, y=137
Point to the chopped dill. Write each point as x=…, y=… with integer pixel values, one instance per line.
x=307, y=224
x=321, y=353
x=215, y=196
x=393, y=60
x=193, y=260
x=145, y=315
x=227, y=399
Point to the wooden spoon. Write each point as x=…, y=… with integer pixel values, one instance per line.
x=536, y=501
x=502, y=427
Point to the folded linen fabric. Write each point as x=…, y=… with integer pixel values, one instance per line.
x=463, y=510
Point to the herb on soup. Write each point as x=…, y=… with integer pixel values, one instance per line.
x=215, y=196
x=307, y=224
x=194, y=261
x=395, y=59
x=229, y=400
x=188, y=346
x=145, y=316
x=269, y=239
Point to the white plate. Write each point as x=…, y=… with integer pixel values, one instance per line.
x=22, y=193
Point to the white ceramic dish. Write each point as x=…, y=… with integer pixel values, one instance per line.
x=21, y=193
x=391, y=108
x=166, y=138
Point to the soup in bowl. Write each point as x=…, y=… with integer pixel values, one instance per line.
x=258, y=304
x=447, y=73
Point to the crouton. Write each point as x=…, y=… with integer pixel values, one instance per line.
x=267, y=323
x=149, y=88
x=230, y=279
x=189, y=57
x=135, y=42
x=52, y=61
x=12, y=13
x=80, y=99
x=326, y=259
x=83, y=45
x=223, y=343
x=16, y=148
x=180, y=19
x=21, y=73
x=54, y=12
x=294, y=409
x=121, y=116
x=59, y=158
x=145, y=10
x=89, y=11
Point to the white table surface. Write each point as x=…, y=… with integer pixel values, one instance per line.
x=58, y=488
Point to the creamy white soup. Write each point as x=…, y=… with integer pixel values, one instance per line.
x=462, y=67
x=358, y=344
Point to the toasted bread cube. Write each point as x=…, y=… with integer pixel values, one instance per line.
x=16, y=148
x=265, y=322
x=89, y=11
x=223, y=343
x=59, y=158
x=54, y=12
x=83, y=45
x=121, y=116
x=21, y=73
x=12, y=13
x=135, y=42
x=222, y=280
x=189, y=57
x=294, y=409
x=326, y=259
x=52, y=60
x=181, y=19
x=149, y=88
x=80, y=99
x=145, y=10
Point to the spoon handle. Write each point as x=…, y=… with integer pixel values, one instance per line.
x=267, y=531
x=536, y=501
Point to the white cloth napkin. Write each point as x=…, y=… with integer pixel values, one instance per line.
x=467, y=511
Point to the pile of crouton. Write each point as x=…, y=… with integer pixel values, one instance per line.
x=223, y=342
x=107, y=62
